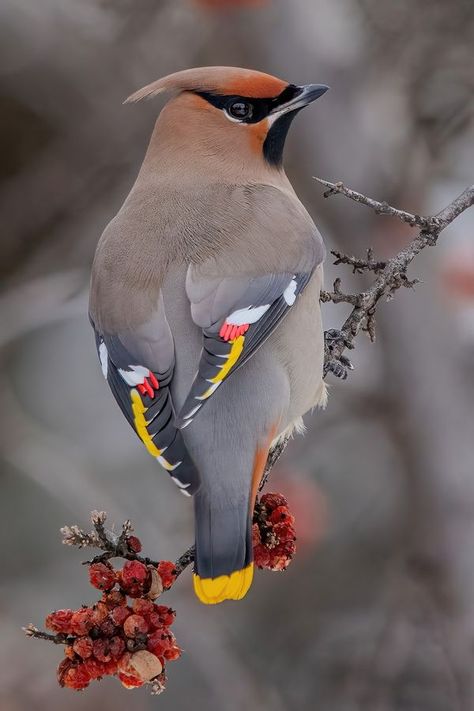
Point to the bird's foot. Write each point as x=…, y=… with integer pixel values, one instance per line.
x=335, y=362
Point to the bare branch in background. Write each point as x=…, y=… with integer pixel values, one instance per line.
x=391, y=275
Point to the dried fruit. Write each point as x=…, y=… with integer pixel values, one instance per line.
x=134, y=544
x=272, y=501
x=102, y=576
x=168, y=573
x=101, y=649
x=130, y=682
x=135, y=625
x=117, y=647
x=114, y=599
x=143, y=607
x=166, y=615
x=273, y=534
x=100, y=613
x=119, y=614
x=95, y=669
x=82, y=621
x=83, y=647
x=281, y=514
x=59, y=621
x=135, y=578
x=156, y=585
x=143, y=665
x=76, y=677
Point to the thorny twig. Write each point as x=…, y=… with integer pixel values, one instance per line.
x=390, y=275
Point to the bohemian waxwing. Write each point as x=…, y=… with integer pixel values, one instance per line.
x=212, y=268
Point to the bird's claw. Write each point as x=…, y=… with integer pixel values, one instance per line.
x=336, y=363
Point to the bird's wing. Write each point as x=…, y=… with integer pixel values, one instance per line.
x=138, y=364
x=237, y=313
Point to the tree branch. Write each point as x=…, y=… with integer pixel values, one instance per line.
x=391, y=275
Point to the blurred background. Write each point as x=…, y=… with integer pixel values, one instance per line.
x=377, y=610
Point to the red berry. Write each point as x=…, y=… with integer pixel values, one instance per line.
x=77, y=677
x=261, y=556
x=130, y=682
x=134, y=544
x=100, y=613
x=117, y=647
x=83, y=647
x=107, y=628
x=94, y=668
x=119, y=614
x=281, y=514
x=287, y=548
x=272, y=501
x=101, y=650
x=102, y=576
x=82, y=621
x=284, y=532
x=143, y=607
x=135, y=625
x=166, y=614
x=63, y=668
x=256, y=537
x=59, y=621
x=157, y=643
x=168, y=573
x=281, y=555
x=110, y=667
x=124, y=661
x=135, y=578
x=154, y=621
x=114, y=599
x=172, y=654
x=69, y=651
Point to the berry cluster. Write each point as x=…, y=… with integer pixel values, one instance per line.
x=273, y=533
x=125, y=633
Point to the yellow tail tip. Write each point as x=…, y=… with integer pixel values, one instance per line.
x=235, y=586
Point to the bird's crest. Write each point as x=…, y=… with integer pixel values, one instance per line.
x=219, y=80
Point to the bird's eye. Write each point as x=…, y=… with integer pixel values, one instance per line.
x=241, y=110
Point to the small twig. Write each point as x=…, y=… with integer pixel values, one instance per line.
x=359, y=265
x=381, y=208
x=32, y=631
x=100, y=537
x=185, y=560
x=273, y=456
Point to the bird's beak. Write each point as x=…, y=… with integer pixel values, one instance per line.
x=307, y=95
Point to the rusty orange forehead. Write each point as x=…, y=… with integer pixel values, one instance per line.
x=254, y=85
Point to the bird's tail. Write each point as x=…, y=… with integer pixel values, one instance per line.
x=223, y=527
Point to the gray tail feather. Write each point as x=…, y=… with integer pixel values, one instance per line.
x=223, y=536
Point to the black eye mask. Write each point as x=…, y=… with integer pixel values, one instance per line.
x=254, y=110
x=247, y=109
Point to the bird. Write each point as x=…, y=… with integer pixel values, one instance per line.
x=204, y=300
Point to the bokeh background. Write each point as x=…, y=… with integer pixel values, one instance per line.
x=377, y=611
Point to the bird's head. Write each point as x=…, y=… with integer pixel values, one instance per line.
x=225, y=110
